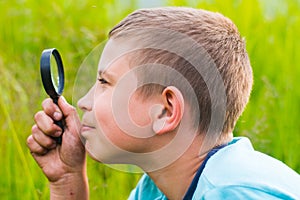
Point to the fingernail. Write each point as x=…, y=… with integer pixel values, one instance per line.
x=57, y=133
x=57, y=115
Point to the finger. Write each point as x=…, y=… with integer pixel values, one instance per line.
x=46, y=124
x=42, y=139
x=34, y=147
x=51, y=109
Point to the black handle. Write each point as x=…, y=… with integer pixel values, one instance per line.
x=61, y=124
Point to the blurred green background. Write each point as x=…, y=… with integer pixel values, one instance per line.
x=271, y=29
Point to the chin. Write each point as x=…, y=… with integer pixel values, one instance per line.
x=103, y=151
x=98, y=154
x=90, y=152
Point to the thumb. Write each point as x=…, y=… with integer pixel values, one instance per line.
x=65, y=107
x=70, y=115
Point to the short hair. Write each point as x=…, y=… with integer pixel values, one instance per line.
x=221, y=40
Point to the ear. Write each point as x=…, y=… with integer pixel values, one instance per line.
x=171, y=116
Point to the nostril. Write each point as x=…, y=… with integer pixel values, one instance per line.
x=83, y=106
x=79, y=104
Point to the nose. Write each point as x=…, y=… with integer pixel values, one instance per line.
x=86, y=102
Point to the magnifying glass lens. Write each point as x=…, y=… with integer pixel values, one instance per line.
x=54, y=73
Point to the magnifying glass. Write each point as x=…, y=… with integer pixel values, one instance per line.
x=52, y=73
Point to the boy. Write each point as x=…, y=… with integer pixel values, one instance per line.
x=171, y=84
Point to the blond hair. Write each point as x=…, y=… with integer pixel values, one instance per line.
x=218, y=36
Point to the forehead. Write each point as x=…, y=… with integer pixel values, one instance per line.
x=114, y=61
x=114, y=50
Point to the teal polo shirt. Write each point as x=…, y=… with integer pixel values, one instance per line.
x=236, y=171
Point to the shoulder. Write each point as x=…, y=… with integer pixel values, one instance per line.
x=238, y=167
x=146, y=190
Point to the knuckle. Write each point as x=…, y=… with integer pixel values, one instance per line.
x=34, y=135
x=48, y=106
x=29, y=140
x=34, y=128
x=38, y=115
x=46, y=102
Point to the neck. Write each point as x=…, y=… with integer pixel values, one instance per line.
x=175, y=179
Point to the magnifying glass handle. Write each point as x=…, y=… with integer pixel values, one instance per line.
x=60, y=124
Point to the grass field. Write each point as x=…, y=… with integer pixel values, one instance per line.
x=271, y=29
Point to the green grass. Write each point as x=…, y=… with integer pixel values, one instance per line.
x=271, y=29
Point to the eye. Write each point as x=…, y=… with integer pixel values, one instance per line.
x=102, y=81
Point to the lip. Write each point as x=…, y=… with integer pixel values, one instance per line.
x=86, y=128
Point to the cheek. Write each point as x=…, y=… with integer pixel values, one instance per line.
x=105, y=116
x=123, y=122
x=139, y=112
x=102, y=109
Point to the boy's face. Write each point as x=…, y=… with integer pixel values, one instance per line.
x=121, y=126
x=116, y=119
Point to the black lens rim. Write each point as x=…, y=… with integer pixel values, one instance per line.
x=45, y=69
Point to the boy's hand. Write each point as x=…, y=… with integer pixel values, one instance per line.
x=60, y=163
